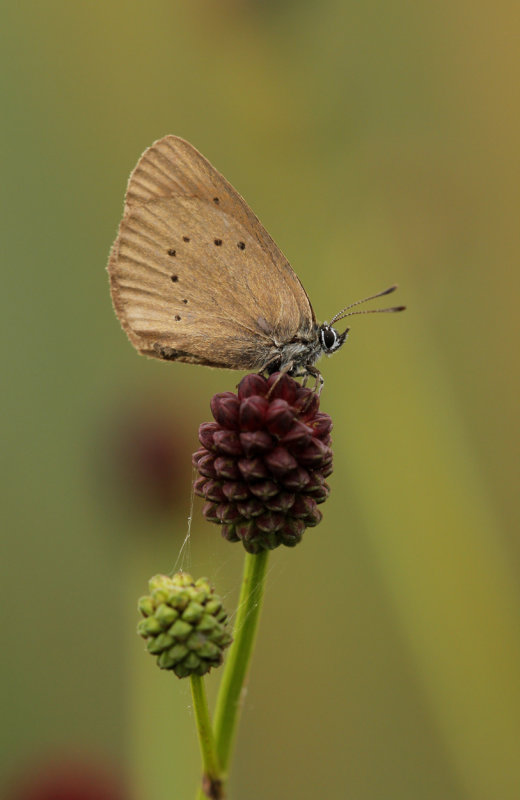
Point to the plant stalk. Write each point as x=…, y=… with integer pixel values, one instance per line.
x=237, y=663
x=211, y=779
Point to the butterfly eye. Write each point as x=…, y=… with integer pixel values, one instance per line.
x=328, y=338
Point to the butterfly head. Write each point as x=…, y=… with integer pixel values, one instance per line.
x=329, y=338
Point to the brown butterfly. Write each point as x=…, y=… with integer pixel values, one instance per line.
x=195, y=277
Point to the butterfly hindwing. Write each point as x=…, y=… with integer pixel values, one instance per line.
x=193, y=272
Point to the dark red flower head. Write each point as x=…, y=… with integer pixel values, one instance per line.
x=263, y=462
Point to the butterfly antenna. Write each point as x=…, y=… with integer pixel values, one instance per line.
x=341, y=314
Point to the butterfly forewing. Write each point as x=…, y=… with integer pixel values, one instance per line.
x=194, y=275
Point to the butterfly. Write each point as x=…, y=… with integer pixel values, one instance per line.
x=195, y=277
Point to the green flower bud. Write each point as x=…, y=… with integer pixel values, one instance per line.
x=146, y=606
x=166, y=615
x=184, y=624
x=193, y=612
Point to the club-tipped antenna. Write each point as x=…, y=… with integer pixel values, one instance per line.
x=341, y=314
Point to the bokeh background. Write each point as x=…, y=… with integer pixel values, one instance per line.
x=378, y=143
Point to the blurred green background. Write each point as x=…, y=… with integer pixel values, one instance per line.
x=378, y=143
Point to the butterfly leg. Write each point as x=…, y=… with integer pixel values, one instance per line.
x=318, y=377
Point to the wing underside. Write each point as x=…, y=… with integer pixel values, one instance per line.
x=193, y=273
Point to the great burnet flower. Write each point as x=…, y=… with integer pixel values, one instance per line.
x=184, y=624
x=263, y=462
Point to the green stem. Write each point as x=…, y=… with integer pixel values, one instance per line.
x=237, y=662
x=205, y=732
